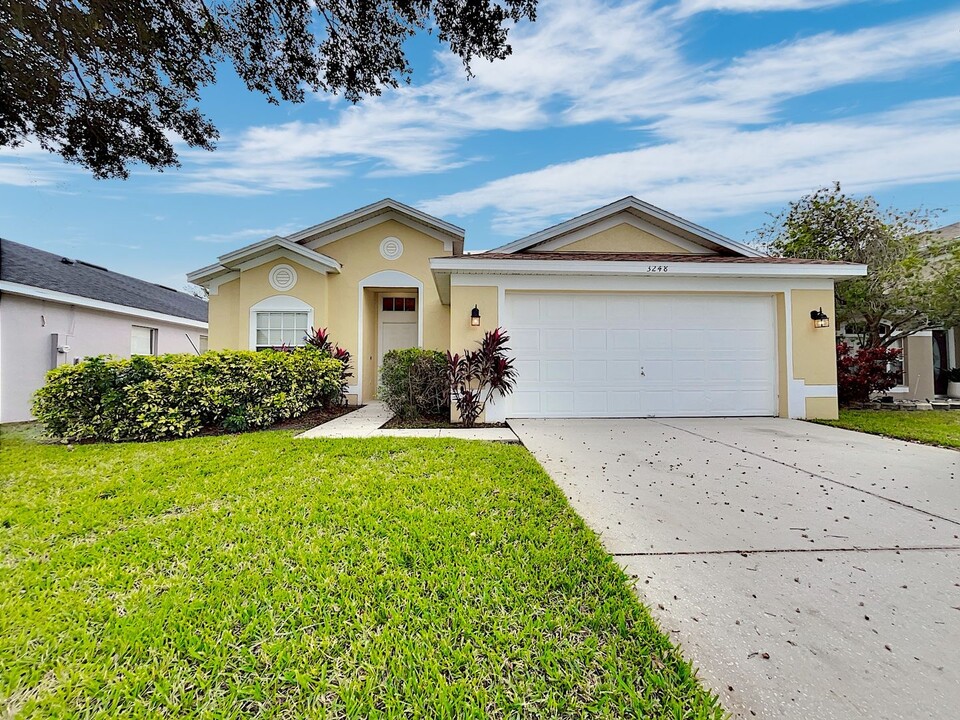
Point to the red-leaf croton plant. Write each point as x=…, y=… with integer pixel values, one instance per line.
x=477, y=375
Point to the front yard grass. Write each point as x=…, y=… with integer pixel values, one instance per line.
x=934, y=427
x=258, y=575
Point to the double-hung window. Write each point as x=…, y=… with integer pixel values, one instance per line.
x=276, y=329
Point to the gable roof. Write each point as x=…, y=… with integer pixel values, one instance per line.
x=263, y=251
x=29, y=266
x=367, y=213
x=650, y=213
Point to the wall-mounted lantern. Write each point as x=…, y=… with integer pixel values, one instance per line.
x=820, y=318
x=475, y=316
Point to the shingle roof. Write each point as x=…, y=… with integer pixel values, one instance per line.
x=29, y=266
x=646, y=257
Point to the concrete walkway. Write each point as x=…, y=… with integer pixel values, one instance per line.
x=368, y=420
x=808, y=572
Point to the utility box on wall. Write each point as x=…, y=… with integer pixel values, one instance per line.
x=59, y=347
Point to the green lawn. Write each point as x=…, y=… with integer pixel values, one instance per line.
x=258, y=575
x=935, y=427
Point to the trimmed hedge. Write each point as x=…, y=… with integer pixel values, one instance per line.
x=414, y=383
x=175, y=396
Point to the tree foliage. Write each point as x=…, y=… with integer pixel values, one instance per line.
x=913, y=273
x=106, y=83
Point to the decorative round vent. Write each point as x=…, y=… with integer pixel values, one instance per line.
x=283, y=277
x=391, y=248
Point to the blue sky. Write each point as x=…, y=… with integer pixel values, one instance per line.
x=717, y=110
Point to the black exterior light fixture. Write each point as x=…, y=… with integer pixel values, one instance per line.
x=820, y=318
x=475, y=316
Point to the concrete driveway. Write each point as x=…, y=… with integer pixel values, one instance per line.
x=809, y=572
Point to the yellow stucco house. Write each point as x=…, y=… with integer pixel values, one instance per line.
x=623, y=311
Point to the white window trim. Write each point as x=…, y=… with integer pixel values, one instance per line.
x=154, y=340
x=276, y=303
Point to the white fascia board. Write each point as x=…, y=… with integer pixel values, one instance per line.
x=370, y=221
x=628, y=203
x=259, y=253
x=378, y=207
x=80, y=301
x=201, y=275
x=615, y=267
x=251, y=252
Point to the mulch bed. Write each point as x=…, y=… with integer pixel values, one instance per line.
x=431, y=422
x=309, y=419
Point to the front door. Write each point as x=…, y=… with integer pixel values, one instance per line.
x=940, y=362
x=398, y=323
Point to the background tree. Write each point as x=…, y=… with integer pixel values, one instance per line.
x=105, y=83
x=913, y=282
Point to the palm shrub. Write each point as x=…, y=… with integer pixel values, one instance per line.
x=413, y=382
x=478, y=374
x=173, y=396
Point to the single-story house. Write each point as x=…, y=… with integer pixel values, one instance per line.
x=56, y=310
x=928, y=354
x=626, y=310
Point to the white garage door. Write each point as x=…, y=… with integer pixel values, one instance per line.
x=641, y=355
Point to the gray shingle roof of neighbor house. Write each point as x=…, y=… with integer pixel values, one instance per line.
x=27, y=265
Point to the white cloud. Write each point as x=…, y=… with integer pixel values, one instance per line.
x=729, y=170
x=763, y=78
x=247, y=235
x=29, y=166
x=691, y=7
x=581, y=63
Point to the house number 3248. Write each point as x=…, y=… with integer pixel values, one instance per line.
x=656, y=268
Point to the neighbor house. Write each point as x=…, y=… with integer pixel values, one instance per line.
x=56, y=310
x=626, y=310
x=928, y=354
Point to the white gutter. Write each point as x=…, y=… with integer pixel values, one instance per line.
x=79, y=300
x=476, y=265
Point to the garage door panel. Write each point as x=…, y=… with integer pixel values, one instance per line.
x=689, y=371
x=623, y=404
x=590, y=310
x=591, y=402
x=557, y=339
x=624, y=311
x=529, y=370
x=557, y=371
x=623, y=339
x=590, y=371
x=558, y=402
x=525, y=309
x=524, y=339
x=589, y=339
x=558, y=310
x=642, y=355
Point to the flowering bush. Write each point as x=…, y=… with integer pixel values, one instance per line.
x=478, y=374
x=865, y=371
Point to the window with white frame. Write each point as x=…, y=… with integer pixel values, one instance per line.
x=279, y=320
x=204, y=344
x=276, y=329
x=143, y=340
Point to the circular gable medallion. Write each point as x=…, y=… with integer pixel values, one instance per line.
x=283, y=277
x=391, y=248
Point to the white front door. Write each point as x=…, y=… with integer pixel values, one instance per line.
x=398, y=323
x=642, y=355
